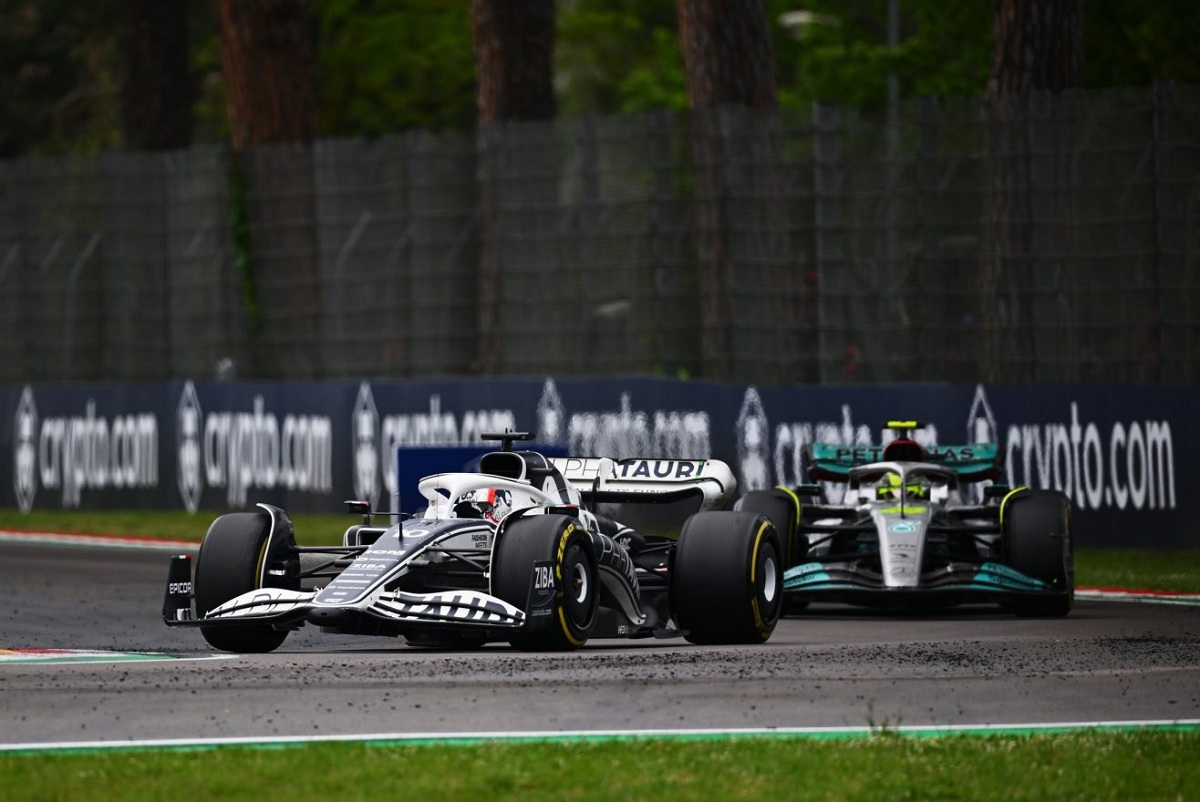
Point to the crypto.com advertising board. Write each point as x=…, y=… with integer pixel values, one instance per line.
x=1123, y=454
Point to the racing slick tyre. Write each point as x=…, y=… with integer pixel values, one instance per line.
x=727, y=579
x=559, y=543
x=1037, y=535
x=782, y=509
x=236, y=556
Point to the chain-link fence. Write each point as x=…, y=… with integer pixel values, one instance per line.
x=1054, y=240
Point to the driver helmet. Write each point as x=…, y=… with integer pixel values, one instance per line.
x=917, y=487
x=491, y=503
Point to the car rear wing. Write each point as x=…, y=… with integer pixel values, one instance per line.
x=973, y=462
x=601, y=480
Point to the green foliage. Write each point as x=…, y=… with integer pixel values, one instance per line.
x=1134, y=44
x=843, y=57
x=58, y=77
x=619, y=57
x=1085, y=765
x=393, y=65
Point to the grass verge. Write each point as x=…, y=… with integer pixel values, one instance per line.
x=1087, y=765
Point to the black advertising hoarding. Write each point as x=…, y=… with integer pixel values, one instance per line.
x=1122, y=453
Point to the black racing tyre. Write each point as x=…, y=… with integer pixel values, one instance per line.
x=230, y=562
x=781, y=508
x=560, y=541
x=727, y=578
x=1037, y=538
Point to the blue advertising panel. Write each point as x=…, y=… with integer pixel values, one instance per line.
x=1120, y=452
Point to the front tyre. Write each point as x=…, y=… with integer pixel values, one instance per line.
x=236, y=556
x=727, y=578
x=1037, y=535
x=529, y=552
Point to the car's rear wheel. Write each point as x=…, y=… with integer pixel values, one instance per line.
x=781, y=509
x=235, y=557
x=554, y=551
x=1037, y=539
x=727, y=578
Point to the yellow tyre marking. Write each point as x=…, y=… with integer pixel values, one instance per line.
x=562, y=591
x=758, y=619
x=1004, y=501
x=260, y=564
x=795, y=500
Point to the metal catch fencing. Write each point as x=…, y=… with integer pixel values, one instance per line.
x=1052, y=240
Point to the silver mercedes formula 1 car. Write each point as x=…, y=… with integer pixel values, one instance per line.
x=900, y=529
x=521, y=551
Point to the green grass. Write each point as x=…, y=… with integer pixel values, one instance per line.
x=163, y=524
x=1145, y=569
x=1146, y=765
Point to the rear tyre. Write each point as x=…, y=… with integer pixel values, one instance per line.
x=558, y=542
x=781, y=509
x=234, y=558
x=1037, y=535
x=727, y=578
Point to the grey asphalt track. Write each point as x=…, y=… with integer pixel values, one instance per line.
x=828, y=667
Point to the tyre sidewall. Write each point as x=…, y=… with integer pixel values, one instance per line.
x=561, y=541
x=726, y=578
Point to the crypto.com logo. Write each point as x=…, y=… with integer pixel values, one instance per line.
x=365, y=428
x=188, y=417
x=25, y=426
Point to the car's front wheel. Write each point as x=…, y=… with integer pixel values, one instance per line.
x=1037, y=537
x=236, y=556
x=548, y=554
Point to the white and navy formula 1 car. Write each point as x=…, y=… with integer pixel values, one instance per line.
x=900, y=530
x=519, y=552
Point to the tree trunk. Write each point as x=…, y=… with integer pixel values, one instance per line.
x=1038, y=47
x=514, y=58
x=267, y=61
x=157, y=93
x=728, y=60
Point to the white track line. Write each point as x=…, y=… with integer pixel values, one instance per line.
x=469, y=738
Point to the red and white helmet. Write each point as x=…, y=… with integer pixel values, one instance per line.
x=489, y=502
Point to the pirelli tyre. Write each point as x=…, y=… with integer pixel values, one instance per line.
x=727, y=578
x=239, y=554
x=782, y=509
x=1036, y=531
x=551, y=556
